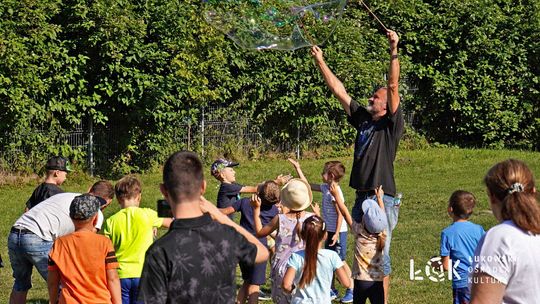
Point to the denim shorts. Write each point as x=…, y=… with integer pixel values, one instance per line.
x=27, y=250
x=340, y=247
x=391, y=208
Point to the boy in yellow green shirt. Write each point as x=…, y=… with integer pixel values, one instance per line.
x=131, y=232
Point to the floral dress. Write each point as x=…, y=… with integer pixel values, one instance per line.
x=287, y=242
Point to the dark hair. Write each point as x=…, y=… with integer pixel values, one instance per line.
x=313, y=232
x=103, y=189
x=127, y=187
x=462, y=203
x=183, y=176
x=511, y=182
x=269, y=192
x=336, y=168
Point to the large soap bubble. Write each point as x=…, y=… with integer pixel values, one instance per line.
x=274, y=24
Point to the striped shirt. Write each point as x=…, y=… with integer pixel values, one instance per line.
x=329, y=209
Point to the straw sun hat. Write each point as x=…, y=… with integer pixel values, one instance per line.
x=296, y=195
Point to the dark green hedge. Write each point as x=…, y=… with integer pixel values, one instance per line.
x=146, y=66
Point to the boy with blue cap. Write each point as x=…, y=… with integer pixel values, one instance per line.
x=370, y=236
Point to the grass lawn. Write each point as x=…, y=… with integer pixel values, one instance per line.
x=426, y=178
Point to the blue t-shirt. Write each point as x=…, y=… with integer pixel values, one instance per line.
x=458, y=241
x=246, y=214
x=318, y=291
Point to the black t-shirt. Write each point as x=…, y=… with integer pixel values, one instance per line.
x=375, y=149
x=227, y=195
x=41, y=193
x=195, y=262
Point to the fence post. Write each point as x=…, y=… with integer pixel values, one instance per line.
x=91, y=145
x=298, y=141
x=202, y=133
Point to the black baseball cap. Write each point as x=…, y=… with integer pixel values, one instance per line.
x=58, y=163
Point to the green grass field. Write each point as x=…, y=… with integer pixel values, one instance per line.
x=426, y=178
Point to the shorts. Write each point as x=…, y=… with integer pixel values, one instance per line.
x=27, y=250
x=254, y=274
x=340, y=246
x=461, y=295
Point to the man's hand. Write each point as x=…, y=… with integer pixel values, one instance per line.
x=317, y=53
x=393, y=40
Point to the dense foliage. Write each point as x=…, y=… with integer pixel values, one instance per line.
x=144, y=67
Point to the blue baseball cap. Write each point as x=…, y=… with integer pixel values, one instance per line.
x=374, y=217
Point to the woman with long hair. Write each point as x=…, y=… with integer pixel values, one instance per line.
x=505, y=265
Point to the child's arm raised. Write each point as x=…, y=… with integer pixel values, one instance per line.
x=261, y=231
x=296, y=165
x=334, y=190
x=379, y=192
x=113, y=284
x=262, y=252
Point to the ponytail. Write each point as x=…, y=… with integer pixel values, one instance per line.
x=313, y=232
x=511, y=183
x=522, y=208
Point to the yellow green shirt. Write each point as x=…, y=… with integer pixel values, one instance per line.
x=130, y=231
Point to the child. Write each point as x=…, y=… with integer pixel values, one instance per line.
x=312, y=269
x=332, y=172
x=296, y=196
x=370, y=235
x=254, y=276
x=458, y=242
x=57, y=168
x=83, y=261
x=131, y=232
x=195, y=261
x=229, y=191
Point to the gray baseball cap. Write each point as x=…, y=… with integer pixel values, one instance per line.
x=84, y=207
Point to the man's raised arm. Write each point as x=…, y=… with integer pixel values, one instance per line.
x=335, y=85
x=393, y=73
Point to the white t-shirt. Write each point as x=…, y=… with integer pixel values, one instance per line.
x=329, y=209
x=318, y=291
x=50, y=219
x=510, y=255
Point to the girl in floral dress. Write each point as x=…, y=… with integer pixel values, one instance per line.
x=296, y=196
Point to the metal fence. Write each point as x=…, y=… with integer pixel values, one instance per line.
x=209, y=134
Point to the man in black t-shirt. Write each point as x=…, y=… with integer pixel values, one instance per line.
x=195, y=261
x=57, y=168
x=379, y=128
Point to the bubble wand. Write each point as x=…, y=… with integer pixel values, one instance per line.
x=374, y=16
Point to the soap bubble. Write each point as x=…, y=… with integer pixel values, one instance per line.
x=274, y=24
